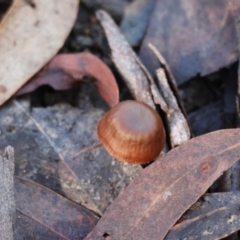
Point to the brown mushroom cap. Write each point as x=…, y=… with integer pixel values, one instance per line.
x=132, y=132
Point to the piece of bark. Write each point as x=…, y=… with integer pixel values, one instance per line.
x=177, y=123
x=169, y=76
x=7, y=201
x=124, y=59
x=156, y=94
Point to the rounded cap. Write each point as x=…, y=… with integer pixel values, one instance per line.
x=132, y=132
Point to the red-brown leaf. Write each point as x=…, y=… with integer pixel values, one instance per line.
x=65, y=70
x=161, y=193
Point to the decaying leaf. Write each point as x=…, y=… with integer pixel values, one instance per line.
x=46, y=139
x=65, y=70
x=195, y=37
x=214, y=217
x=147, y=208
x=30, y=34
x=44, y=214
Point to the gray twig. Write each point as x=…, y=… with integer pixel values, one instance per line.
x=7, y=204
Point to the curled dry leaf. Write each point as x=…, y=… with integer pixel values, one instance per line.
x=124, y=59
x=44, y=214
x=65, y=70
x=214, y=217
x=163, y=191
x=30, y=34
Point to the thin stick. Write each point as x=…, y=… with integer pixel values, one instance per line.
x=88, y=149
x=170, y=77
x=7, y=203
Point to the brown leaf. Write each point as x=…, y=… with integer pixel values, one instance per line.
x=65, y=70
x=30, y=34
x=214, y=217
x=195, y=37
x=162, y=192
x=41, y=213
x=46, y=139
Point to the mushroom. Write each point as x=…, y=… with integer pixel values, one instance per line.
x=132, y=132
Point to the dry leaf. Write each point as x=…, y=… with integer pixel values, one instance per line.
x=162, y=192
x=30, y=34
x=195, y=37
x=65, y=70
x=43, y=214
x=214, y=217
x=45, y=140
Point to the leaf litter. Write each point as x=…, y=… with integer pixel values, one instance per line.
x=152, y=210
x=45, y=139
x=214, y=216
x=68, y=180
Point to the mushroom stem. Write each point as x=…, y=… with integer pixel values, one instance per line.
x=88, y=149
